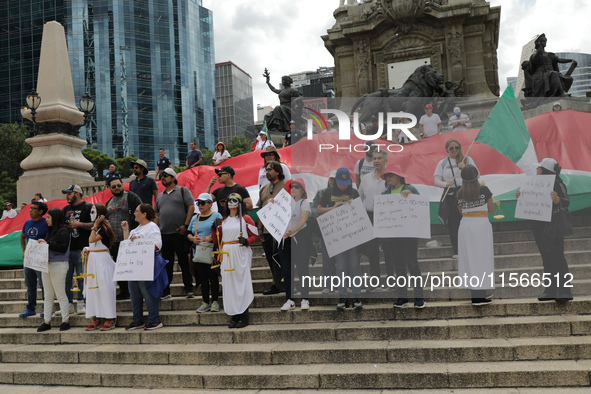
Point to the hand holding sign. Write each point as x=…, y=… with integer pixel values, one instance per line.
x=135, y=260
x=275, y=216
x=37, y=256
x=534, y=200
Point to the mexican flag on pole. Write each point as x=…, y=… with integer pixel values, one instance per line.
x=264, y=130
x=505, y=131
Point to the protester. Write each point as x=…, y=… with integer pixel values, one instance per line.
x=195, y=157
x=143, y=185
x=296, y=243
x=365, y=165
x=550, y=236
x=34, y=229
x=476, y=250
x=459, y=121
x=58, y=240
x=225, y=176
x=556, y=107
x=263, y=142
x=236, y=261
x=276, y=183
x=271, y=154
x=200, y=235
x=402, y=252
x=100, y=288
x=8, y=213
x=293, y=135
x=150, y=291
x=400, y=136
x=39, y=197
x=174, y=208
x=330, y=127
x=447, y=169
x=162, y=163
x=121, y=208
x=430, y=123
x=77, y=219
x=111, y=175
x=221, y=154
x=347, y=262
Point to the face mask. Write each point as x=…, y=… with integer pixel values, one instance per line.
x=233, y=203
x=93, y=213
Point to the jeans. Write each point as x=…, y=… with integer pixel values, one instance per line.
x=171, y=244
x=138, y=293
x=74, y=262
x=31, y=277
x=55, y=286
x=348, y=265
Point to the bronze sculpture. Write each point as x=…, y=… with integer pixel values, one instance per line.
x=279, y=118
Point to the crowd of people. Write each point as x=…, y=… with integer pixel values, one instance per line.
x=84, y=239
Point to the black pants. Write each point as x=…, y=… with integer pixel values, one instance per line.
x=171, y=244
x=123, y=285
x=270, y=247
x=208, y=277
x=294, y=251
x=552, y=251
x=453, y=224
x=372, y=250
x=402, y=252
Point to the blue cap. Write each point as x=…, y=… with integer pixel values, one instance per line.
x=343, y=177
x=204, y=197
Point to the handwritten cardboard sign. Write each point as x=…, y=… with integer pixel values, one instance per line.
x=37, y=256
x=535, y=203
x=345, y=227
x=275, y=216
x=135, y=260
x=396, y=216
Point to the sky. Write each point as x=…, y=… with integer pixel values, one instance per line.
x=285, y=35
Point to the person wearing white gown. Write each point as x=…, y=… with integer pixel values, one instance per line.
x=99, y=288
x=236, y=260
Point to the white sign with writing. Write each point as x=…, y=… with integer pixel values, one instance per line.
x=36, y=256
x=345, y=227
x=395, y=216
x=275, y=216
x=135, y=260
x=535, y=203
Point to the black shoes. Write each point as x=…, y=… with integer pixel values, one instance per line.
x=243, y=322
x=64, y=326
x=234, y=321
x=120, y=297
x=44, y=327
x=271, y=290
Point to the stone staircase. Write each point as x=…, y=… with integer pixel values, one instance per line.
x=515, y=343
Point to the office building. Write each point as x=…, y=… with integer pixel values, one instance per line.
x=582, y=74
x=234, y=101
x=319, y=83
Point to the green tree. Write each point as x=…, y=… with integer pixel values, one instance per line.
x=238, y=145
x=100, y=162
x=12, y=141
x=124, y=167
x=207, y=157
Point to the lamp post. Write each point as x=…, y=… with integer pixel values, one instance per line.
x=33, y=101
x=86, y=106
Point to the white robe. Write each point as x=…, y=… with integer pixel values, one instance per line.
x=100, y=290
x=476, y=251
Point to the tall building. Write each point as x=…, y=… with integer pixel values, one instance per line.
x=319, y=83
x=235, y=107
x=513, y=82
x=582, y=74
x=149, y=65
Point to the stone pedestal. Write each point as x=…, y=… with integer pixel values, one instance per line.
x=55, y=163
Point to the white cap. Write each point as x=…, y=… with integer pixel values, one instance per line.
x=170, y=171
x=549, y=164
x=333, y=174
x=457, y=109
x=557, y=103
x=331, y=122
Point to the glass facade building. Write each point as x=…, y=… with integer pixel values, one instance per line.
x=581, y=75
x=149, y=65
x=235, y=101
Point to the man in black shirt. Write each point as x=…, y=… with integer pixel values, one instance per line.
x=162, y=164
x=226, y=178
x=112, y=174
x=77, y=218
x=144, y=186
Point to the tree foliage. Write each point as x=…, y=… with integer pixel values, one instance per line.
x=207, y=157
x=238, y=145
x=12, y=141
x=101, y=162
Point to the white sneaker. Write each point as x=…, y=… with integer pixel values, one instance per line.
x=325, y=291
x=288, y=306
x=80, y=307
x=58, y=313
x=455, y=257
x=305, y=305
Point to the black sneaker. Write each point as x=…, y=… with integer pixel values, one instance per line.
x=401, y=303
x=65, y=326
x=120, y=297
x=481, y=301
x=44, y=327
x=134, y=326
x=234, y=321
x=342, y=304
x=271, y=290
x=419, y=303
x=153, y=326
x=357, y=304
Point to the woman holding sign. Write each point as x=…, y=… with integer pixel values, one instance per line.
x=347, y=262
x=550, y=237
x=99, y=288
x=402, y=252
x=54, y=282
x=446, y=176
x=475, y=237
x=236, y=258
x=143, y=290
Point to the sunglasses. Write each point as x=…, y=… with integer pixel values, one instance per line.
x=33, y=208
x=222, y=173
x=454, y=148
x=296, y=186
x=165, y=175
x=116, y=186
x=202, y=202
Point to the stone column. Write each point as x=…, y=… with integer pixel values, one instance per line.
x=454, y=43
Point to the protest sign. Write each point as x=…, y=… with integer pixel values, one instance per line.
x=535, y=203
x=275, y=216
x=395, y=216
x=36, y=256
x=135, y=260
x=345, y=227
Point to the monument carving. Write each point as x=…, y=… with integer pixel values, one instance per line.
x=279, y=118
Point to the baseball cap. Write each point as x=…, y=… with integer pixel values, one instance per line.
x=8, y=203
x=170, y=172
x=557, y=104
x=457, y=110
x=204, y=197
x=343, y=177
x=369, y=143
x=428, y=106
x=292, y=122
x=227, y=169
x=333, y=174
x=549, y=164
x=73, y=188
x=331, y=122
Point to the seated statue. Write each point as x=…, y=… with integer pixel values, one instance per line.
x=542, y=77
x=279, y=118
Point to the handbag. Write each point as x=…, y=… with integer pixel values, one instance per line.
x=445, y=205
x=203, y=253
x=561, y=224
